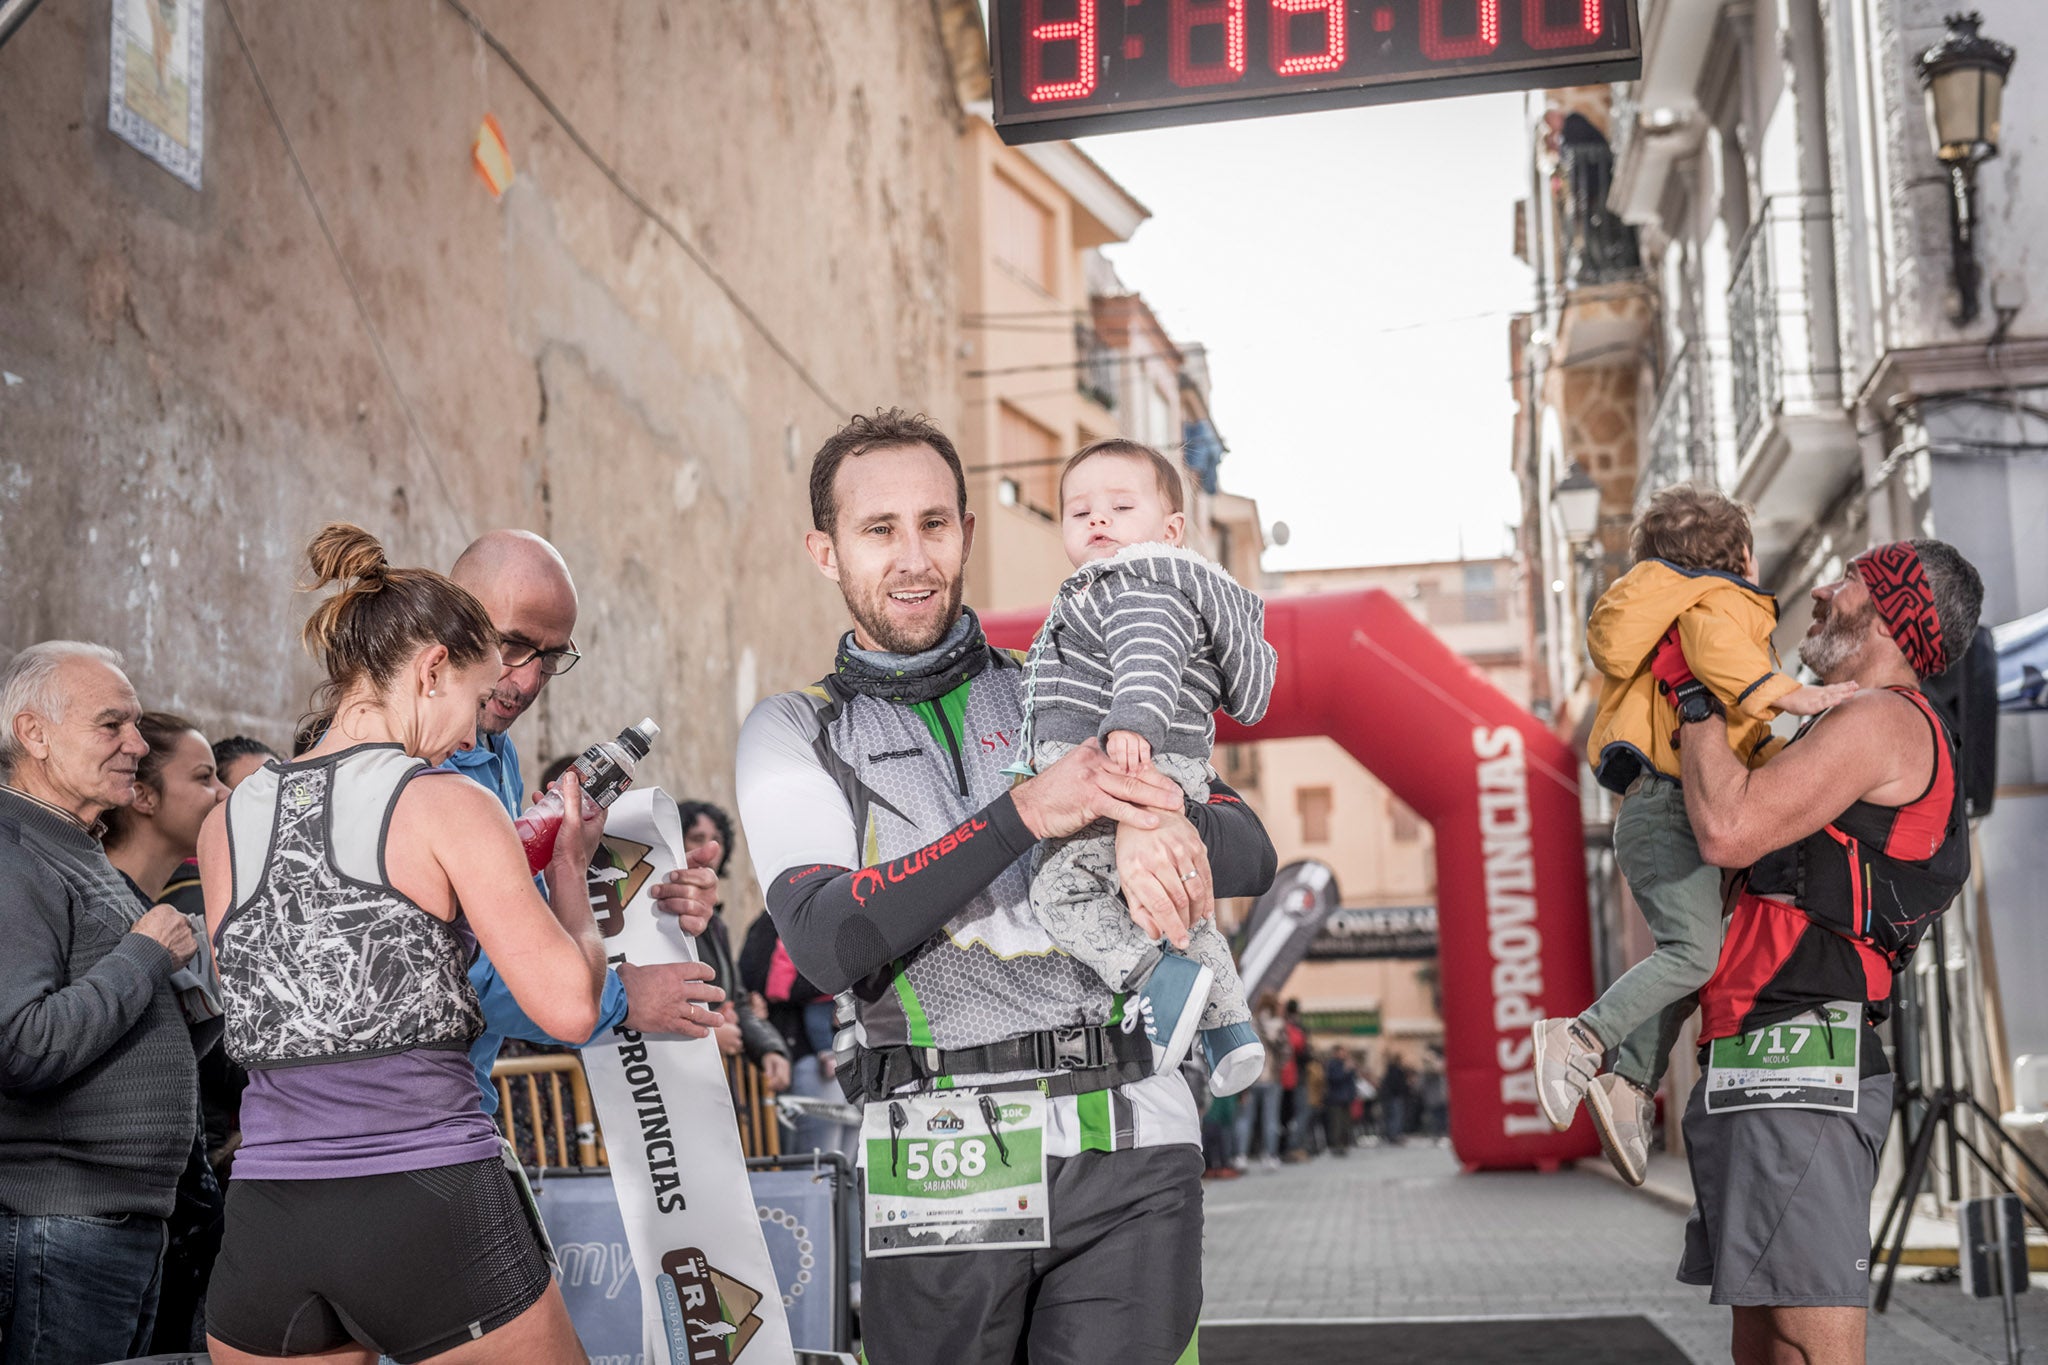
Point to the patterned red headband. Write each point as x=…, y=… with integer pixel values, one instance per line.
x=1904, y=602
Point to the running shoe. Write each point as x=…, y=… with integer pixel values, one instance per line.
x=1168, y=1006
x=1235, y=1056
x=1623, y=1117
x=1567, y=1059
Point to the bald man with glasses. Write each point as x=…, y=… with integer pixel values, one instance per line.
x=526, y=589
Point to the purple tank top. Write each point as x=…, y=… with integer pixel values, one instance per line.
x=406, y=1112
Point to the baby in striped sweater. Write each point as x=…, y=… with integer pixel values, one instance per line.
x=1143, y=644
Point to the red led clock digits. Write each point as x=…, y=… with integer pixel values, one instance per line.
x=1039, y=35
x=1543, y=35
x=1189, y=15
x=1330, y=57
x=1483, y=40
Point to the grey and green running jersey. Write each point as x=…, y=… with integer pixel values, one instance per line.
x=832, y=778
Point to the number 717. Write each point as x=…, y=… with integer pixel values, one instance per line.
x=1777, y=1048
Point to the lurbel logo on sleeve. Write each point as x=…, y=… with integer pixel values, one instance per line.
x=869, y=880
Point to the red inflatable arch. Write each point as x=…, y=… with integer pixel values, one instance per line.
x=1502, y=794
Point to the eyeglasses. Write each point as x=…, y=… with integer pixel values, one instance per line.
x=518, y=653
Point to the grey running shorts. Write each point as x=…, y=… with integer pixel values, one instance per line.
x=1781, y=1211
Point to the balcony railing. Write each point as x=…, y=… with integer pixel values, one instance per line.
x=1622, y=113
x=1771, y=341
x=1599, y=247
x=1096, y=374
x=1681, y=446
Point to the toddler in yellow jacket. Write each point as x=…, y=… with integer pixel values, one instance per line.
x=1693, y=560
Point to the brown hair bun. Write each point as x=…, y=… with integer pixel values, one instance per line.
x=383, y=617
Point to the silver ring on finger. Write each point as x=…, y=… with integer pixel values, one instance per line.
x=1190, y=876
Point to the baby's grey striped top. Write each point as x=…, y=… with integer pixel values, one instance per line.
x=1152, y=640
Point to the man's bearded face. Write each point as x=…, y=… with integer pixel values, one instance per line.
x=899, y=552
x=906, y=617
x=1838, y=632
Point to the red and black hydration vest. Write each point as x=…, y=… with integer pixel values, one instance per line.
x=1863, y=889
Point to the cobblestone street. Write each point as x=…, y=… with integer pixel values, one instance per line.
x=1401, y=1233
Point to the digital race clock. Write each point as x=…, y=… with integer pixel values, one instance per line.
x=1064, y=68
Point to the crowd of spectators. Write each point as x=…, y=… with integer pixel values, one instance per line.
x=1315, y=1100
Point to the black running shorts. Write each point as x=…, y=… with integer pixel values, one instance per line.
x=1121, y=1283
x=411, y=1264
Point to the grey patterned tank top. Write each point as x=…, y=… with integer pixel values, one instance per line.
x=321, y=959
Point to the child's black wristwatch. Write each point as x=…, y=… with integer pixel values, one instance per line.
x=1695, y=702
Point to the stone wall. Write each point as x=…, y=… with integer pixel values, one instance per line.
x=205, y=379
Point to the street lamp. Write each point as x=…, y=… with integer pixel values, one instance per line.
x=1964, y=79
x=1578, y=503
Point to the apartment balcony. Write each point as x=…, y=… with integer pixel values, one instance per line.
x=1096, y=374
x=1795, y=446
x=1599, y=247
x=1682, y=445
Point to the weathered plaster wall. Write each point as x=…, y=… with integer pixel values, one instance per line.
x=200, y=389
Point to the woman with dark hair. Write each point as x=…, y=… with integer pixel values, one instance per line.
x=346, y=892
x=150, y=843
x=743, y=1029
x=235, y=757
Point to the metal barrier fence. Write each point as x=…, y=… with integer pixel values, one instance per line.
x=544, y=1111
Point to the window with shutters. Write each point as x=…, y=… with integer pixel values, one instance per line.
x=1031, y=456
x=1022, y=234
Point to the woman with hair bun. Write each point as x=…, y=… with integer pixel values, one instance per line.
x=345, y=894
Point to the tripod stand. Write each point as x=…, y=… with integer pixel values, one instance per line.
x=1938, y=1119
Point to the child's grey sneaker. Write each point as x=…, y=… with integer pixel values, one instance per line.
x=1567, y=1060
x=1168, y=1006
x=1235, y=1056
x=1623, y=1117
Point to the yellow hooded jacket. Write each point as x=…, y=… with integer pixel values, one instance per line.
x=1725, y=624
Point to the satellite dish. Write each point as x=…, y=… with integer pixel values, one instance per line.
x=1279, y=534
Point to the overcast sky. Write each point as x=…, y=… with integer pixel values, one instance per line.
x=1351, y=274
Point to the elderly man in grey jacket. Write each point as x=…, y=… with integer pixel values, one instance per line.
x=98, y=1092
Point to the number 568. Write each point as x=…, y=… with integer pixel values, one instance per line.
x=946, y=1157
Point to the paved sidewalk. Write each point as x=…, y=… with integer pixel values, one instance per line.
x=1401, y=1232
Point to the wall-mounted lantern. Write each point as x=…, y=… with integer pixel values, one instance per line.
x=1964, y=79
x=1578, y=503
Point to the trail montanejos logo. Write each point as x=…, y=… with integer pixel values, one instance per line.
x=618, y=870
x=709, y=1315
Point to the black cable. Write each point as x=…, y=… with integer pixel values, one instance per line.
x=632, y=196
x=348, y=278
x=1108, y=357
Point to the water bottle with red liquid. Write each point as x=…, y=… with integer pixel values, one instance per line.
x=606, y=769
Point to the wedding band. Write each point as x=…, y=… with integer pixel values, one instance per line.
x=1189, y=876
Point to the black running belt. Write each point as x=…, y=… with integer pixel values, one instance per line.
x=1470, y=1341
x=1081, y=1058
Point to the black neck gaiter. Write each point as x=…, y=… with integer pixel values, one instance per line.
x=962, y=653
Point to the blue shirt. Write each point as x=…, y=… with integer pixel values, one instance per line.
x=495, y=764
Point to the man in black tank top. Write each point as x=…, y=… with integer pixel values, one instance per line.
x=1851, y=841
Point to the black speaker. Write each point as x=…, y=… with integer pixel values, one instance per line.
x=1967, y=697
